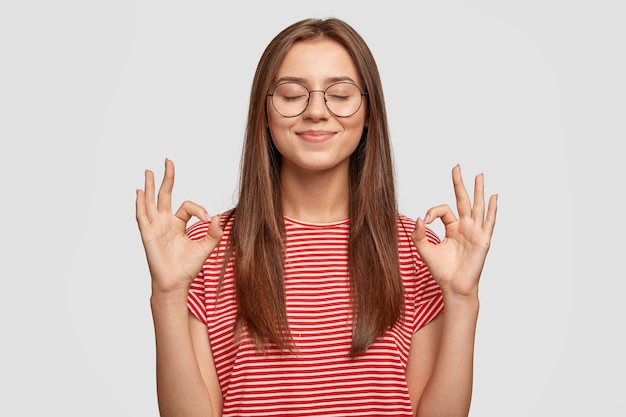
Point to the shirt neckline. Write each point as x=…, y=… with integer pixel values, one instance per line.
x=316, y=224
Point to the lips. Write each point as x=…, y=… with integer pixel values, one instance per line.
x=315, y=136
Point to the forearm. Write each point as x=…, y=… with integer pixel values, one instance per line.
x=449, y=390
x=180, y=387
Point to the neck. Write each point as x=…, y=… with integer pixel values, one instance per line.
x=317, y=197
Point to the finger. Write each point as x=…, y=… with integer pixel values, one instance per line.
x=463, y=204
x=492, y=210
x=478, y=211
x=164, y=202
x=443, y=212
x=151, y=210
x=140, y=209
x=189, y=209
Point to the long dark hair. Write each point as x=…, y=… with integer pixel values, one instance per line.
x=257, y=236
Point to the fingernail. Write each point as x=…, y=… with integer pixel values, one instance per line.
x=426, y=218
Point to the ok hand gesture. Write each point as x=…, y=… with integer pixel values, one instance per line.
x=173, y=259
x=457, y=262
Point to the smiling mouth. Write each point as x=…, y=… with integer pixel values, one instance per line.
x=315, y=137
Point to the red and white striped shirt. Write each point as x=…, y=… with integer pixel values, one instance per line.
x=320, y=379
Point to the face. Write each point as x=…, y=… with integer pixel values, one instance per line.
x=316, y=140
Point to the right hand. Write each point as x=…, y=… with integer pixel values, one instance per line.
x=174, y=260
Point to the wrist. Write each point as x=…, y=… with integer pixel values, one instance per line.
x=171, y=298
x=465, y=301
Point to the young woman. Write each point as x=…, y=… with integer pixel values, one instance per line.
x=314, y=296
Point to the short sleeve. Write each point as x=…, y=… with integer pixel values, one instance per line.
x=428, y=301
x=196, y=296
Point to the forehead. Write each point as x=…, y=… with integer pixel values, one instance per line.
x=316, y=61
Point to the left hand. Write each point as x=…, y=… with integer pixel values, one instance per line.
x=457, y=262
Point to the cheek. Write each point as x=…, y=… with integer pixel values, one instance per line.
x=276, y=122
x=357, y=125
x=366, y=114
x=279, y=131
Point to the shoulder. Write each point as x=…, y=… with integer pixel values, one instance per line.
x=406, y=226
x=405, y=223
x=199, y=229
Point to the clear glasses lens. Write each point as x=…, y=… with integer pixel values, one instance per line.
x=342, y=99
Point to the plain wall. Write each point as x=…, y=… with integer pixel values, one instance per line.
x=92, y=93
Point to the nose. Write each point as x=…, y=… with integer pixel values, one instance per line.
x=316, y=106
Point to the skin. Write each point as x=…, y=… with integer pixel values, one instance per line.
x=456, y=263
x=315, y=148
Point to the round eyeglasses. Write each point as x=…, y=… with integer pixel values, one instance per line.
x=343, y=99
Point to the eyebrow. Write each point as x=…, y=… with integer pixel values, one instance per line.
x=301, y=80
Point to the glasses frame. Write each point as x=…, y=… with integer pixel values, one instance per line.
x=308, y=100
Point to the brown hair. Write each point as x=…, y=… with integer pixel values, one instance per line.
x=257, y=235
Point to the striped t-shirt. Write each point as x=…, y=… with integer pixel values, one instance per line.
x=320, y=379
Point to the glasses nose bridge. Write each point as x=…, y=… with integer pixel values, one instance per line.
x=308, y=102
x=318, y=91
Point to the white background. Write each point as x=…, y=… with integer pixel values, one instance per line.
x=532, y=93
